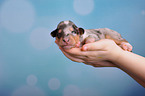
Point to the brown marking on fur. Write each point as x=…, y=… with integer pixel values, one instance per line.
x=71, y=29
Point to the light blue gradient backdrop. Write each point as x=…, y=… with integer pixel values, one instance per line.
x=31, y=64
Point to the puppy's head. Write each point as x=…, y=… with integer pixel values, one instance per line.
x=67, y=34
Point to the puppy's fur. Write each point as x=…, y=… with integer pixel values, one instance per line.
x=68, y=35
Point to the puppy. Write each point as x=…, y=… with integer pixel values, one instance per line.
x=68, y=35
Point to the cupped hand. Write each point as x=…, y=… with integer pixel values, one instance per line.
x=98, y=54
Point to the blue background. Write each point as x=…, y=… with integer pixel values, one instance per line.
x=31, y=64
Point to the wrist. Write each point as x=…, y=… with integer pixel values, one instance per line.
x=116, y=55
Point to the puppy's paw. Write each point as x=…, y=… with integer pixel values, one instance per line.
x=89, y=40
x=126, y=46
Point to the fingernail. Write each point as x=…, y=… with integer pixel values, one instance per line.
x=85, y=48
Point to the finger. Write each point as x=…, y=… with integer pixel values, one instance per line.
x=71, y=57
x=74, y=51
x=84, y=55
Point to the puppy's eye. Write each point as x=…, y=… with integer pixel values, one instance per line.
x=73, y=32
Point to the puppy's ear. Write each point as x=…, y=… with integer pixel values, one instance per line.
x=81, y=31
x=53, y=33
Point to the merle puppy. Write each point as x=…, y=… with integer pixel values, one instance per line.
x=68, y=35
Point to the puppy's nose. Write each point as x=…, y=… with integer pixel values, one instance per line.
x=66, y=40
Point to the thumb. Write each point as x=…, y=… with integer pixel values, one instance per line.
x=96, y=46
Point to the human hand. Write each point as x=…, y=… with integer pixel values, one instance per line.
x=98, y=54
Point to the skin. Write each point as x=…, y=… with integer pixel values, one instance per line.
x=106, y=53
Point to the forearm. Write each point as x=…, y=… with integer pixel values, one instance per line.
x=134, y=77
x=132, y=64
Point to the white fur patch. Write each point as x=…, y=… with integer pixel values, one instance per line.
x=85, y=34
x=66, y=22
